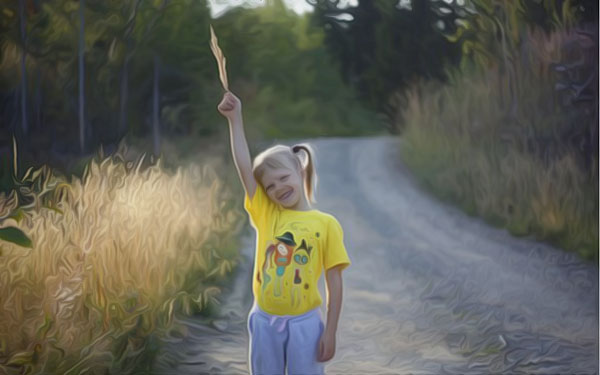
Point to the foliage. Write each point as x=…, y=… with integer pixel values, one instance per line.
x=115, y=255
x=14, y=235
x=288, y=84
x=383, y=47
x=517, y=166
x=278, y=65
x=491, y=32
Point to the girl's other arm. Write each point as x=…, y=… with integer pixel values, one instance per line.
x=333, y=277
x=231, y=108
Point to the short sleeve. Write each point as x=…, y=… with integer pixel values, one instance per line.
x=335, y=253
x=259, y=207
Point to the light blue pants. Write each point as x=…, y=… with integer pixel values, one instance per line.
x=280, y=342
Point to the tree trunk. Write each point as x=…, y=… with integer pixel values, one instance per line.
x=38, y=99
x=124, y=97
x=155, y=107
x=512, y=79
x=125, y=72
x=24, y=123
x=81, y=75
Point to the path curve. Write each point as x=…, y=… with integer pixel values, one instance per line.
x=431, y=290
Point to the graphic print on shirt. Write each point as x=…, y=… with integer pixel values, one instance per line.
x=286, y=260
x=301, y=257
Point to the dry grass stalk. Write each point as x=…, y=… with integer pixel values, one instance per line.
x=216, y=50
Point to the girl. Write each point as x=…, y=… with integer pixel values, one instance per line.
x=294, y=243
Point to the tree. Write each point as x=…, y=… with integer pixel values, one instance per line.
x=81, y=76
x=23, y=69
x=290, y=84
x=156, y=106
x=124, y=90
x=382, y=47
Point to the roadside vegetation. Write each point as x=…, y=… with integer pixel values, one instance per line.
x=512, y=136
x=96, y=267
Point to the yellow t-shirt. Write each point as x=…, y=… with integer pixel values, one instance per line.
x=292, y=248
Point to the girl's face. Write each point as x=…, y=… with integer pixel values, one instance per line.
x=284, y=185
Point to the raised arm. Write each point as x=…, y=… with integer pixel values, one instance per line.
x=231, y=108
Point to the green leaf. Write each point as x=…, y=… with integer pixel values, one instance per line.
x=20, y=359
x=16, y=236
x=44, y=328
x=18, y=215
x=57, y=210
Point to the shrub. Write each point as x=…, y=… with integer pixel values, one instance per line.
x=510, y=154
x=114, y=255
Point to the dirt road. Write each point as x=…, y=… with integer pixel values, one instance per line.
x=431, y=290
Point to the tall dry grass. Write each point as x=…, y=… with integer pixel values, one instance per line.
x=115, y=254
x=499, y=150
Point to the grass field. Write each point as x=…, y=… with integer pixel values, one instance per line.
x=113, y=256
x=501, y=153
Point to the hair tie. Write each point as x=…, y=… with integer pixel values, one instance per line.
x=296, y=149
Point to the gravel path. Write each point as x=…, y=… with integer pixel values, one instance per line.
x=431, y=290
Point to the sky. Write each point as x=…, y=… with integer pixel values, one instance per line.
x=218, y=7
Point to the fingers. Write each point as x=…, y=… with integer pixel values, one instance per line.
x=228, y=103
x=331, y=354
x=326, y=351
x=321, y=351
x=225, y=106
x=230, y=98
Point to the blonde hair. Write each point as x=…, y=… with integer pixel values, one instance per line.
x=272, y=158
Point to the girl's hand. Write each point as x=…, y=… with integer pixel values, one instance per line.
x=230, y=106
x=326, y=346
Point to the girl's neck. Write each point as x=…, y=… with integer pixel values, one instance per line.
x=302, y=205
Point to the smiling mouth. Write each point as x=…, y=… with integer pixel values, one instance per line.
x=285, y=195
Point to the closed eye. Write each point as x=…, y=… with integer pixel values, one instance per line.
x=284, y=178
x=269, y=187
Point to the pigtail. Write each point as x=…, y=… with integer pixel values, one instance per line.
x=310, y=182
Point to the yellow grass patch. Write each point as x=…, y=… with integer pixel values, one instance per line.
x=115, y=254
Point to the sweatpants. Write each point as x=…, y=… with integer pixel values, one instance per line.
x=280, y=343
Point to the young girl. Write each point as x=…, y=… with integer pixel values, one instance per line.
x=294, y=244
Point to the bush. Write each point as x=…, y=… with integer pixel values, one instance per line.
x=114, y=255
x=505, y=153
